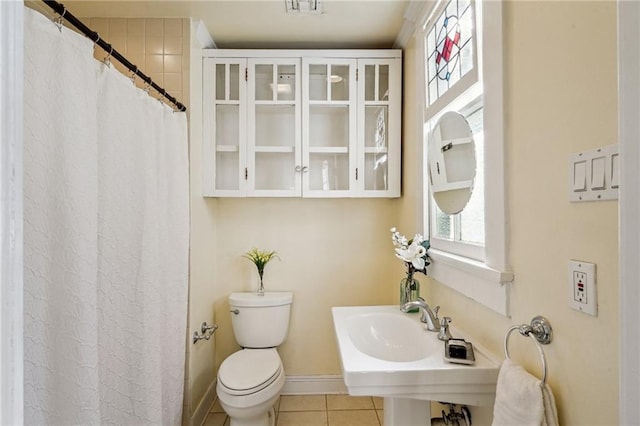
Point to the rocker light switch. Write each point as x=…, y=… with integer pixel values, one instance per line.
x=615, y=170
x=597, y=172
x=580, y=176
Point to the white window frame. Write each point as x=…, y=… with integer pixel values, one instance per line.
x=462, y=248
x=487, y=282
x=467, y=81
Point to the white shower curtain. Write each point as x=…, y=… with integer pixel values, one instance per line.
x=106, y=240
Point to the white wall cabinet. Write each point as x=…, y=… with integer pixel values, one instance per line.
x=302, y=123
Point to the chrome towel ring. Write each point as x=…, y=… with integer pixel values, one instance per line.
x=540, y=332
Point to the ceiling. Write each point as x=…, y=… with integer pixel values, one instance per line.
x=264, y=24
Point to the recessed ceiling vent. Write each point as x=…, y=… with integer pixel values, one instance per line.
x=304, y=7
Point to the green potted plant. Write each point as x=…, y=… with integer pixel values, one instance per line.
x=260, y=258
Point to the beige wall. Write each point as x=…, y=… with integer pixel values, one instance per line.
x=560, y=98
x=333, y=253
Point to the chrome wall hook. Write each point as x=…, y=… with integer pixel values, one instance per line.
x=206, y=331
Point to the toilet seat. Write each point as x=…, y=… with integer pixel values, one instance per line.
x=249, y=371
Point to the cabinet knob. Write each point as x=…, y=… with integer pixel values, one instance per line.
x=298, y=169
x=305, y=169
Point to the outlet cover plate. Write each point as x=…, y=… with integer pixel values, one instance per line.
x=582, y=287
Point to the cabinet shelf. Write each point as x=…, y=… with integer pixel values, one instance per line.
x=328, y=150
x=330, y=103
x=274, y=149
x=227, y=148
x=275, y=103
x=374, y=150
x=376, y=103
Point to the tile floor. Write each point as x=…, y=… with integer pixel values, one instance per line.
x=316, y=410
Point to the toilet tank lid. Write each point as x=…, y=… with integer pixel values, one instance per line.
x=269, y=298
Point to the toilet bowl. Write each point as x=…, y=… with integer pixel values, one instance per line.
x=251, y=379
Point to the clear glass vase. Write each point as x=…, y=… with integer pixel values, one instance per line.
x=409, y=290
x=260, y=287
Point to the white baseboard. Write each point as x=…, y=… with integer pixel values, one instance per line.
x=313, y=385
x=200, y=413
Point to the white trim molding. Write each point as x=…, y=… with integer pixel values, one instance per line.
x=202, y=411
x=202, y=36
x=11, y=260
x=414, y=14
x=476, y=280
x=629, y=208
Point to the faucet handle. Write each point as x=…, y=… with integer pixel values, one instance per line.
x=444, y=333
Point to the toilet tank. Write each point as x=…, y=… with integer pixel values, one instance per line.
x=260, y=321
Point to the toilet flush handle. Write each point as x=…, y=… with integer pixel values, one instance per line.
x=235, y=311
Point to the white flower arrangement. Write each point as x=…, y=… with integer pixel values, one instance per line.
x=413, y=252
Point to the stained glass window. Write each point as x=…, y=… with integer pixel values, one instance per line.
x=449, y=48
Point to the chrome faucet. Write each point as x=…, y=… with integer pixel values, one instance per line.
x=429, y=317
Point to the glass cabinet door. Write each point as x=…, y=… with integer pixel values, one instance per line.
x=379, y=121
x=224, y=133
x=329, y=126
x=274, y=138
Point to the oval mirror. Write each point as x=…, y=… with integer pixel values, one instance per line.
x=452, y=162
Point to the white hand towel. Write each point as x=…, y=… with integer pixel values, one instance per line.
x=521, y=400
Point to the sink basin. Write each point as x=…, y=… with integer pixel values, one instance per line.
x=390, y=337
x=385, y=352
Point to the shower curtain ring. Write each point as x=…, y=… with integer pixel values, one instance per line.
x=107, y=60
x=147, y=86
x=134, y=72
x=96, y=39
x=58, y=22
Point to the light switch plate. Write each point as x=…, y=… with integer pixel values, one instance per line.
x=582, y=287
x=593, y=175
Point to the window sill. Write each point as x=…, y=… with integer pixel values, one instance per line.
x=475, y=279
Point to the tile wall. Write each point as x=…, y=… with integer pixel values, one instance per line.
x=159, y=47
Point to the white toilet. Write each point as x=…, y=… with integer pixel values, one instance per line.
x=250, y=380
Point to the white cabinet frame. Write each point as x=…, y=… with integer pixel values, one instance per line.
x=211, y=148
x=246, y=126
x=252, y=149
x=394, y=104
x=307, y=103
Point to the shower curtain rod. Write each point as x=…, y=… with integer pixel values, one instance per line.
x=61, y=10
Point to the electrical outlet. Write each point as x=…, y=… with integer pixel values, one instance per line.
x=582, y=287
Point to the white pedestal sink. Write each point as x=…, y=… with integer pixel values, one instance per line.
x=387, y=353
